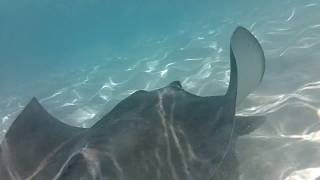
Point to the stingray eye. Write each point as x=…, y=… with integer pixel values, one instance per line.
x=176, y=84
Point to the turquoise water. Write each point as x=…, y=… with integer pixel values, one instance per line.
x=80, y=58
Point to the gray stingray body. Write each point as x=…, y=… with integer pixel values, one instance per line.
x=165, y=134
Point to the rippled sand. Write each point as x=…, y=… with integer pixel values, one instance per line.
x=286, y=147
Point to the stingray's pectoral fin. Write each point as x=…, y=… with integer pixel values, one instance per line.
x=4, y=174
x=247, y=54
x=32, y=137
x=247, y=124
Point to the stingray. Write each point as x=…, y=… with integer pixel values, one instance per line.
x=164, y=134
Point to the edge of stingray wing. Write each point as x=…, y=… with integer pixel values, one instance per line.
x=247, y=64
x=31, y=138
x=247, y=124
x=249, y=58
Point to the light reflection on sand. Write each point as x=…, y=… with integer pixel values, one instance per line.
x=291, y=44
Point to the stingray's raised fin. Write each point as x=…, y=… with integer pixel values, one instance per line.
x=33, y=136
x=247, y=54
x=247, y=124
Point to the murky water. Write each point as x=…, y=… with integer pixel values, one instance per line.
x=81, y=58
